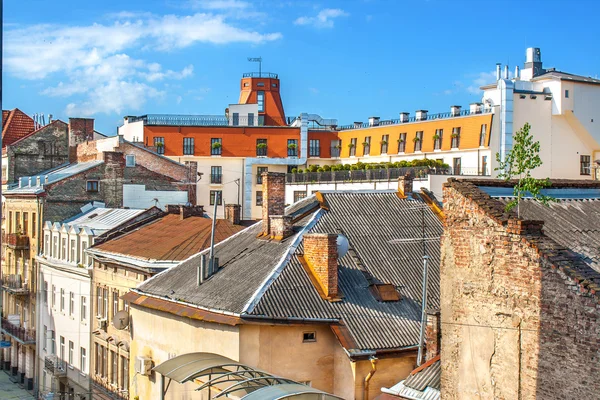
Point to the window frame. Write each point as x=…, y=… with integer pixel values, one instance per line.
x=71, y=304
x=367, y=146
x=212, y=195
x=216, y=151
x=385, y=142
x=583, y=161
x=352, y=152
x=482, y=135
x=437, y=143
x=216, y=174
x=71, y=352
x=259, y=172
x=159, y=149
x=260, y=100
x=402, y=143
x=92, y=186
x=262, y=151
x=83, y=360
x=188, y=146
x=292, y=152
x=83, y=309
x=455, y=142
x=299, y=195
x=130, y=160
x=418, y=143
x=259, y=198
x=314, y=148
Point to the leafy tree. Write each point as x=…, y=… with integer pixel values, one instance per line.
x=520, y=161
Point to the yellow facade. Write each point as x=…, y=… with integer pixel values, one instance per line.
x=470, y=131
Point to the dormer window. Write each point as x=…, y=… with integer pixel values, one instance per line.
x=384, y=292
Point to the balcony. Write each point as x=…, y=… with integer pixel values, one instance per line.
x=14, y=284
x=21, y=335
x=55, y=365
x=261, y=74
x=101, y=388
x=335, y=152
x=17, y=241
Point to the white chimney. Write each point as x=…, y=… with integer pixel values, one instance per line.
x=475, y=108
x=498, y=69
x=357, y=125
x=404, y=116
x=455, y=111
x=506, y=72
x=517, y=73
x=373, y=121
x=421, y=115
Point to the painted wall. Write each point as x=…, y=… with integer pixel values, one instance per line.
x=136, y=196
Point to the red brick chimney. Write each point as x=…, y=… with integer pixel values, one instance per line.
x=433, y=334
x=320, y=253
x=81, y=130
x=405, y=184
x=273, y=198
x=232, y=213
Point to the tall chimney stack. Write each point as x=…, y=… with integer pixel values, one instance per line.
x=498, y=69
x=232, y=213
x=320, y=253
x=273, y=198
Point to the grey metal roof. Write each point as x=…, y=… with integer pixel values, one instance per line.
x=100, y=220
x=255, y=271
x=566, y=77
x=427, y=377
x=422, y=384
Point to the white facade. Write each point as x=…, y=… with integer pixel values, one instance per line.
x=136, y=196
x=563, y=111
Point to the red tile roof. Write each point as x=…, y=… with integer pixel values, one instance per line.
x=16, y=125
x=170, y=238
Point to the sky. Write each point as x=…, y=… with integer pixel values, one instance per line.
x=347, y=59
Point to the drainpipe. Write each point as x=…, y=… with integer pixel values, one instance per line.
x=369, y=376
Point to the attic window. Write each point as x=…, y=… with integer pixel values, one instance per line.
x=385, y=292
x=309, y=337
x=130, y=160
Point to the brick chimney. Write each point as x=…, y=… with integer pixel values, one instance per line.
x=320, y=252
x=81, y=130
x=273, y=198
x=433, y=334
x=232, y=213
x=281, y=226
x=185, y=211
x=405, y=184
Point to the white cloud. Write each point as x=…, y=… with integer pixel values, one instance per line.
x=480, y=79
x=324, y=19
x=95, y=61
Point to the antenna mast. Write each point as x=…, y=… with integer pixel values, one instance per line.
x=259, y=61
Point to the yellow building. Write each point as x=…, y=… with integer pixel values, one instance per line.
x=285, y=298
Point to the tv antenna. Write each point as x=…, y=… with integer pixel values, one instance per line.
x=259, y=61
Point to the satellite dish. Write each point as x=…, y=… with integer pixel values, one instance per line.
x=342, y=245
x=121, y=320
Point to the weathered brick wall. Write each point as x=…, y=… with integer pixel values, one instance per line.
x=320, y=251
x=45, y=149
x=281, y=226
x=513, y=326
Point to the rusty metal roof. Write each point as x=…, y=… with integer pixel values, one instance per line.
x=169, y=238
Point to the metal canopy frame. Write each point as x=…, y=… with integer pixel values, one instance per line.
x=226, y=376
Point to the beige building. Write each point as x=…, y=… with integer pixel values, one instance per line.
x=286, y=299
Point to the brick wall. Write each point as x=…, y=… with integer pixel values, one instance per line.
x=320, y=251
x=273, y=197
x=514, y=326
x=281, y=226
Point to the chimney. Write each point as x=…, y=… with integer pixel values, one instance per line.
x=81, y=130
x=357, y=124
x=232, y=213
x=273, y=197
x=404, y=116
x=421, y=115
x=281, y=226
x=506, y=72
x=475, y=108
x=320, y=253
x=498, y=69
x=455, y=111
x=373, y=121
x=517, y=73
x=405, y=184
x=189, y=211
x=433, y=334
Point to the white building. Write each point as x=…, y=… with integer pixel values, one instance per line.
x=563, y=110
x=65, y=298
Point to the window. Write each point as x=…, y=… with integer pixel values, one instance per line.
x=53, y=295
x=18, y=221
x=33, y=227
x=566, y=93
x=483, y=135
x=299, y=195
x=47, y=245
x=250, y=119
x=84, y=259
x=83, y=308
x=402, y=143
x=260, y=99
x=418, y=141
x=91, y=186
x=73, y=251
x=83, y=360
x=104, y=362
x=261, y=120
x=62, y=300
x=45, y=292
x=218, y=195
x=188, y=146
x=25, y=223
x=437, y=139
x=45, y=338
x=309, y=337
x=261, y=147
x=99, y=301
x=10, y=222
x=236, y=119
x=584, y=165
x=115, y=367
x=98, y=363
x=63, y=248
x=484, y=165
x=130, y=160
x=292, y=148
x=216, y=146
x=159, y=144
x=314, y=148
x=336, y=145
x=259, y=197
x=246, y=84
x=455, y=137
x=367, y=146
x=216, y=175
x=62, y=348
x=124, y=373
x=259, y=172
x=115, y=303
x=71, y=303
x=456, y=165
x=352, y=147
x=384, y=143
x=71, y=351
x=52, y=343
x=105, y=303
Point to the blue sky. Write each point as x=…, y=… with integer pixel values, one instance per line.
x=341, y=59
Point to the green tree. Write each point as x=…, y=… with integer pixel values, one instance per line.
x=520, y=161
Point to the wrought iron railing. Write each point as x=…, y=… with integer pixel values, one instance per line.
x=209, y=120
x=26, y=336
x=55, y=365
x=102, y=386
x=260, y=75
x=335, y=152
x=16, y=241
x=414, y=118
x=15, y=284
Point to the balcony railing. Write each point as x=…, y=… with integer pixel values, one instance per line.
x=21, y=335
x=15, y=284
x=55, y=365
x=382, y=174
x=102, y=387
x=261, y=151
x=216, y=178
x=209, y=120
x=260, y=75
x=335, y=152
x=17, y=241
x=414, y=118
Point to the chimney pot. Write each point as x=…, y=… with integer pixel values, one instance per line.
x=320, y=253
x=506, y=72
x=475, y=108
x=404, y=116
x=232, y=213
x=273, y=197
x=357, y=124
x=455, y=110
x=373, y=121
x=405, y=184
x=421, y=115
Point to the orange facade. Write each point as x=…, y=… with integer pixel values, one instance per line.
x=469, y=137
x=272, y=106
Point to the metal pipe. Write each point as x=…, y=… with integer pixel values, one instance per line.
x=423, y=314
x=369, y=376
x=212, y=237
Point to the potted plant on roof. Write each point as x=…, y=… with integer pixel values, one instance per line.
x=436, y=136
x=454, y=134
x=159, y=145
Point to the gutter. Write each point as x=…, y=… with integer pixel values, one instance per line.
x=290, y=319
x=369, y=376
x=212, y=310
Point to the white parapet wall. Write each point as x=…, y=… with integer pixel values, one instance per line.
x=136, y=196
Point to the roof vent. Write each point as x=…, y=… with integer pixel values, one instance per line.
x=404, y=116
x=421, y=115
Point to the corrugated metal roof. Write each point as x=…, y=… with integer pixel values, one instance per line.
x=169, y=238
x=422, y=384
x=100, y=220
x=372, y=221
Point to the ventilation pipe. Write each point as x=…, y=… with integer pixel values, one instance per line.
x=506, y=72
x=517, y=73
x=498, y=69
